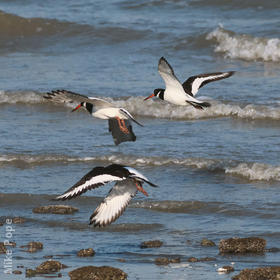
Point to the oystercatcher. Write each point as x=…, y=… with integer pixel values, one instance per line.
x=129, y=181
x=183, y=94
x=118, y=118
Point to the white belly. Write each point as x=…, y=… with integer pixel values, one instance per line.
x=175, y=96
x=107, y=113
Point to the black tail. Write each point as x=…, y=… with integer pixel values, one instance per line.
x=199, y=106
x=120, y=135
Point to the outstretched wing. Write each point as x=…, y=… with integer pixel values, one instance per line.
x=166, y=72
x=194, y=83
x=114, y=204
x=66, y=96
x=97, y=177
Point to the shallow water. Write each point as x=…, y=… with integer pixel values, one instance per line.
x=218, y=169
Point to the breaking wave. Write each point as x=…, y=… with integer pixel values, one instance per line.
x=249, y=171
x=243, y=46
x=158, y=108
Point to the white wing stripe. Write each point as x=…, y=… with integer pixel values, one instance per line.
x=100, y=179
x=199, y=80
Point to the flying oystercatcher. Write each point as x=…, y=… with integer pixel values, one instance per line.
x=118, y=118
x=183, y=94
x=129, y=181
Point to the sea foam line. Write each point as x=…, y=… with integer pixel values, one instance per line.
x=158, y=108
x=250, y=171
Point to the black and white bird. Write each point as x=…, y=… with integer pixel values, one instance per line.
x=183, y=94
x=128, y=182
x=118, y=118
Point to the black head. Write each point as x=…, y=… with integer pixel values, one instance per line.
x=159, y=92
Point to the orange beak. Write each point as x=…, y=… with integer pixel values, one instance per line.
x=76, y=108
x=140, y=188
x=151, y=96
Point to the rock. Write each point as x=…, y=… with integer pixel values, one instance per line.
x=33, y=246
x=17, y=272
x=242, y=245
x=55, y=209
x=273, y=250
x=261, y=273
x=49, y=267
x=151, y=244
x=166, y=261
x=18, y=220
x=30, y=273
x=226, y=269
x=3, y=248
x=207, y=243
x=12, y=244
x=97, y=273
x=162, y=261
x=175, y=260
x=86, y=253
x=207, y=259
x=193, y=259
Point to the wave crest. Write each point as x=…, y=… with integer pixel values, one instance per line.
x=242, y=46
x=249, y=171
x=255, y=171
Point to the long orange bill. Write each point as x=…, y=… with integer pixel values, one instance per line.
x=140, y=188
x=152, y=95
x=76, y=108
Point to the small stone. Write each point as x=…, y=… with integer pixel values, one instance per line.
x=55, y=209
x=207, y=243
x=48, y=257
x=17, y=272
x=97, y=273
x=30, y=273
x=193, y=259
x=33, y=246
x=3, y=248
x=86, y=253
x=175, y=260
x=226, y=269
x=162, y=261
x=12, y=244
x=121, y=260
x=18, y=220
x=151, y=244
x=242, y=245
x=261, y=273
x=207, y=259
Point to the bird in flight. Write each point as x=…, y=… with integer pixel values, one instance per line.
x=128, y=182
x=118, y=118
x=183, y=94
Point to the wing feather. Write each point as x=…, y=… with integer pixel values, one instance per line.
x=194, y=83
x=66, y=96
x=167, y=73
x=97, y=177
x=114, y=204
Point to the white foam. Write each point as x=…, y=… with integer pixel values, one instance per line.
x=255, y=171
x=249, y=171
x=244, y=46
x=28, y=97
x=162, y=109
